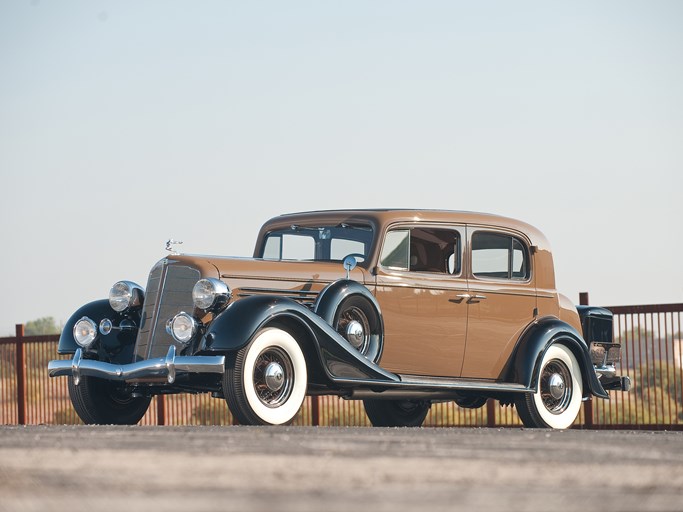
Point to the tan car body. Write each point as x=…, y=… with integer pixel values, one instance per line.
x=428, y=331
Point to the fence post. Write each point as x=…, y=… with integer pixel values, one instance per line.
x=161, y=409
x=588, y=404
x=21, y=375
x=491, y=413
x=315, y=410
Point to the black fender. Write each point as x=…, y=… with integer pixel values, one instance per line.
x=237, y=325
x=117, y=346
x=335, y=293
x=328, y=300
x=526, y=360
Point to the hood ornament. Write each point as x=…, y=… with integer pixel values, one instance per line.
x=170, y=243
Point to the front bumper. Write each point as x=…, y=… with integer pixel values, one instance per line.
x=163, y=367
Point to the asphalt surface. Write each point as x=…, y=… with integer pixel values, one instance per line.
x=71, y=468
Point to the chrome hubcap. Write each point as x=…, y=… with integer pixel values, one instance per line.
x=355, y=334
x=354, y=326
x=556, y=385
x=274, y=376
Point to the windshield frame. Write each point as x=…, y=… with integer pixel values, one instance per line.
x=323, y=234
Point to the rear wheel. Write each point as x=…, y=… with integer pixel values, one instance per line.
x=396, y=413
x=557, y=402
x=265, y=383
x=101, y=402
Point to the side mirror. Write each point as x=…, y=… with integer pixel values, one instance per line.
x=349, y=264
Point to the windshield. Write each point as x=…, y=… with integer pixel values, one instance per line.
x=318, y=243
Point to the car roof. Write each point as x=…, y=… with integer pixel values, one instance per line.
x=383, y=217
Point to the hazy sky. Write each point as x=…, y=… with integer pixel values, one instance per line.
x=125, y=123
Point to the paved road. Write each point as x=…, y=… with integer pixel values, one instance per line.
x=338, y=469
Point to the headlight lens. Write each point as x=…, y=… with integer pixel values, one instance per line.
x=124, y=295
x=210, y=293
x=85, y=332
x=182, y=327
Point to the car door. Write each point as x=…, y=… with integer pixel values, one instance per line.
x=419, y=285
x=503, y=298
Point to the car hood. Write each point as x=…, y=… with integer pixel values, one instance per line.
x=247, y=276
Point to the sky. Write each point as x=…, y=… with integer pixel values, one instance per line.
x=125, y=123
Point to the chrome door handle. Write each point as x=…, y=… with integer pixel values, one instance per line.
x=469, y=298
x=459, y=298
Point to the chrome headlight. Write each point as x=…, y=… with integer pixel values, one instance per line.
x=182, y=327
x=85, y=332
x=124, y=295
x=210, y=293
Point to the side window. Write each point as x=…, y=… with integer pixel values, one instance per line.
x=498, y=256
x=519, y=260
x=273, y=247
x=423, y=250
x=395, y=253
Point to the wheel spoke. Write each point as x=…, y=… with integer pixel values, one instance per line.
x=355, y=314
x=268, y=396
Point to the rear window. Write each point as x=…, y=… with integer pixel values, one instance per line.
x=499, y=256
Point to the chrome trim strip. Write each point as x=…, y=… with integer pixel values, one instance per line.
x=410, y=382
x=468, y=384
x=167, y=367
x=281, y=296
x=281, y=279
x=278, y=290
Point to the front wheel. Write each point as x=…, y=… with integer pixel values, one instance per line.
x=101, y=402
x=265, y=383
x=557, y=402
x=396, y=413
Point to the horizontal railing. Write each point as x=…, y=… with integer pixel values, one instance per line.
x=651, y=356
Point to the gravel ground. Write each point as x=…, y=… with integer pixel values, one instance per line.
x=239, y=468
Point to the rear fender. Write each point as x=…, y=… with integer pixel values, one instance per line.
x=524, y=365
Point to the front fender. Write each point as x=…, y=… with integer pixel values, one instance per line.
x=526, y=360
x=109, y=348
x=235, y=327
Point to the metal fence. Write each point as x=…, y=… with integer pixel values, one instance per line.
x=651, y=356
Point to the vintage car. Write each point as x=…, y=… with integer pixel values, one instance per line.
x=399, y=308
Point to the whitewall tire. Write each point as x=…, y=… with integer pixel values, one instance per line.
x=266, y=382
x=557, y=401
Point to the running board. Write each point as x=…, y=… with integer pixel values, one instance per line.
x=443, y=386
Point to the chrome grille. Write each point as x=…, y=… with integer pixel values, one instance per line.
x=169, y=291
x=304, y=297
